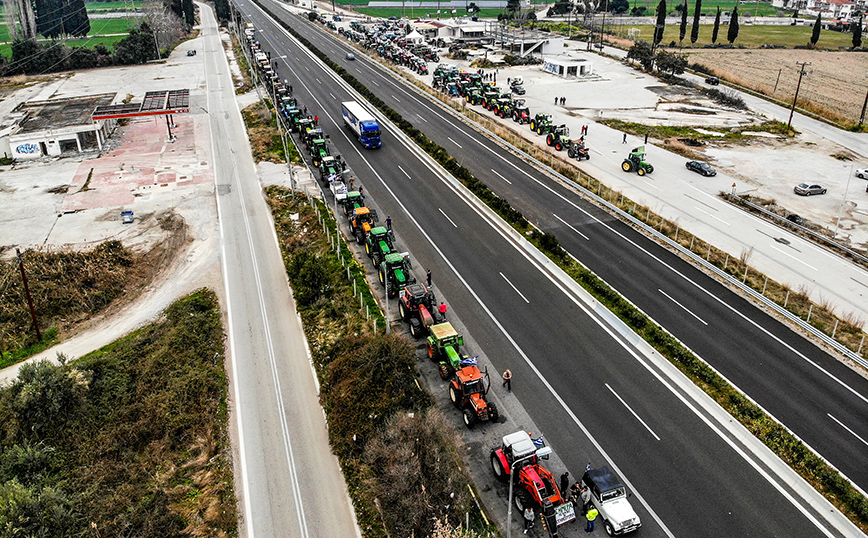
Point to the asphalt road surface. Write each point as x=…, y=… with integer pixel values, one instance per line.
x=593, y=394
x=289, y=485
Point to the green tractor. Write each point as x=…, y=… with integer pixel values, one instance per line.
x=503, y=107
x=474, y=97
x=444, y=348
x=319, y=150
x=330, y=169
x=636, y=161
x=395, y=268
x=489, y=97
x=301, y=125
x=351, y=201
x=541, y=123
x=379, y=243
x=559, y=137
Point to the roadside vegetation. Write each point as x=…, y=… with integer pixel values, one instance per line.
x=400, y=456
x=265, y=140
x=790, y=449
x=130, y=440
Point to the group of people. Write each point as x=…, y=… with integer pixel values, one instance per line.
x=560, y=101
x=578, y=494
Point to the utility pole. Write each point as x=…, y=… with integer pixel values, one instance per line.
x=802, y=73
x=27, y=293
x=864, y=105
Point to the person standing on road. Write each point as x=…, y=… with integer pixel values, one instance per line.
x=428, y=277
x=565, y=483
x=625, y=139
x=389, y=222
x=646, y=138
x=591, y=515
x=556, y=100
x=443, y=310
x=586, y=498
x=528, y=518
x=507, y=380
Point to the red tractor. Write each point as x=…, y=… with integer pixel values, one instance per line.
x=418, y=307
x=534, y=485
x=467, y=391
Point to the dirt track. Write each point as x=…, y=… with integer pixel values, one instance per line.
x=836, y=80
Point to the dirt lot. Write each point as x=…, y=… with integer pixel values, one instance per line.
x=835, y=80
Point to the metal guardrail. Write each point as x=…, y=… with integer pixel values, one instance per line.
x=819, y=237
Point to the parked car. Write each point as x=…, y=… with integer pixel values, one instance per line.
x=609, y=495
x=806, y=189
x=713, y=81
x=701, y=168
x=191, y=52
x=862, y=173
x=127, y=217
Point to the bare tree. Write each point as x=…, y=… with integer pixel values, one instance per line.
x=168, y=27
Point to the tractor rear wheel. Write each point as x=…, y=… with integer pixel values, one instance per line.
x=368, y=249
x=626, y=166
x=497, y=468
x=453, y=395
x=402, y=310
x=360, y=236
x=533, y=125
x=469, y=418
x=549, y=140
x=382, y=277
x=640, y=171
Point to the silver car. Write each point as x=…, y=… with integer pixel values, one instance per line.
x=807, y=189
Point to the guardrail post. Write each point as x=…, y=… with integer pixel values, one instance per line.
x=787, y=298
x=835, y=328
x=743, y=280
x=766, y=283
x=726, y=262
x=692, y=238
x=676, y=234
x=708, y=254
x=810, y=311
x=860, y=344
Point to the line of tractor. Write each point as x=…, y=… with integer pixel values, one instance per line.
x=518, y=459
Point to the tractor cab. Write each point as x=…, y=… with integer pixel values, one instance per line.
x=311, y=134
x=489, y=97
x=475, y=97
x=351, y=201
x=452, y=88
x=394, y=272
x=475, y=79
x=292, y=115
x=329, y=169
x=319, y=150
x=444, y=346
x=302, y=124
x=379, y=243
x=362, y=221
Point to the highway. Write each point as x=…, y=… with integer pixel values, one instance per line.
x=287, y=481
x=576, y=374
x=766, y=360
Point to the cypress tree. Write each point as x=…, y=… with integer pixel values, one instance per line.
x=660, y=25
x=857, y=34
x=716, y=27
x=189, y=12
x=683, y=30
x=732, y=33
x=694, y=32
x=815, y=36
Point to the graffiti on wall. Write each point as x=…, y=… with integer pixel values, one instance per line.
x=27, y=148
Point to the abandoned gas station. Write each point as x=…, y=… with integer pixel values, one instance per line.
x=56, y=127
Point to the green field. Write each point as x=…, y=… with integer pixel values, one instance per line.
x=750, y=36
x=119, y=6
x=89, y=42
x=386, y=12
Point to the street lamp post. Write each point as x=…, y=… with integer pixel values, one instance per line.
x=544, y=451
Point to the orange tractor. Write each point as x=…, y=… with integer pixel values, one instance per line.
x=518, y=459
x=467, y=391
x=361, y=222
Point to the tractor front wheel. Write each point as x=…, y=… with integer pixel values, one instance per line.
x=572, y=153
x=497, y=468
x=493, y=414
x=431, y=351
x=521, y=500
x=360, y=237
x=402, y=310
x=626, y=166
x=382, y=277
x=415, y=328
x=469, y=418
x=649, y=169
x=445, y=374
x=559, y=146
x=640, y=171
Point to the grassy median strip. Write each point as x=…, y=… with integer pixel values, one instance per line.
x=812, y=468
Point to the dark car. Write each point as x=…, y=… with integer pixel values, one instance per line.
x=713, y=81
x=517, y=89
x=807, y=189
x=701, y=168
x=191, y=52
